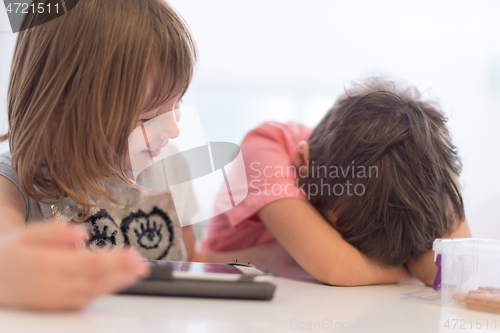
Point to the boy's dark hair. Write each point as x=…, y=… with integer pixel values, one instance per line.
x=409, y=194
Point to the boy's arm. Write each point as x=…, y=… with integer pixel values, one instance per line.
x=424, y=267
x=318, y=248
x=269, y=258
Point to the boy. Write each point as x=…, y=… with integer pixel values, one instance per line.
x=356, y=199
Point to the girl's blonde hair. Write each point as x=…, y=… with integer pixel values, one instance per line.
x=78, y=85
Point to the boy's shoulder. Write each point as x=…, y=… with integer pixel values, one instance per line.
x=277, y=131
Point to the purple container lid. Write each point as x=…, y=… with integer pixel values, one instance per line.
x=437, y=281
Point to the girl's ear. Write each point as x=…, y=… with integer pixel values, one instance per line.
x=302, y=157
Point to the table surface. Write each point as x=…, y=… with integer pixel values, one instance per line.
x=298, y=306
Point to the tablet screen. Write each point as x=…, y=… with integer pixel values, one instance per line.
x=197, y=270
x=181, y=270
x=198, y=267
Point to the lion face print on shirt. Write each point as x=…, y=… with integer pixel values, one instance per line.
x=146, y=221
x=151, y=234
x=104, y=233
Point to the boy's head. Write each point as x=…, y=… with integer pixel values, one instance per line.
x=382, y=163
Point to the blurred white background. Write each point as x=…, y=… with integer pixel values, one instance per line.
x=289, y=60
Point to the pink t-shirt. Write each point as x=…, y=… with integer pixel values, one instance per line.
x=268, y=152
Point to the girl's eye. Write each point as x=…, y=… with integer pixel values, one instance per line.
x=146, y=120
x=178, y=104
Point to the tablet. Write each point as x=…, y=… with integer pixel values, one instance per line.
x=192, y=279
x=214, y=272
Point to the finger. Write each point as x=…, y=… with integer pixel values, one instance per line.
x=71, y=279
x=49, y=233
x=124, y=269
x=105, y=272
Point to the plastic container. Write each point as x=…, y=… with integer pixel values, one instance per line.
x=467, y=264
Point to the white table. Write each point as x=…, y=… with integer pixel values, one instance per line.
x=297, y=307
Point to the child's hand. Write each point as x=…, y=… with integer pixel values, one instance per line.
x=41, y=268
x=423, y=267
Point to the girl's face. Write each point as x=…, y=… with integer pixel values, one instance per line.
x=153, y=129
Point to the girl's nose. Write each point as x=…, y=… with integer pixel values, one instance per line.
x=171, y=128
x=163, y=128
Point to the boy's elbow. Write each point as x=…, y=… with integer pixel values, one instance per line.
x=335, y=277
x=355, y=277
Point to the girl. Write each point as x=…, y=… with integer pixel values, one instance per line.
x=79, y=86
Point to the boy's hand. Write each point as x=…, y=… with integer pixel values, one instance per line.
x=423, y=267
x=41, y=268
